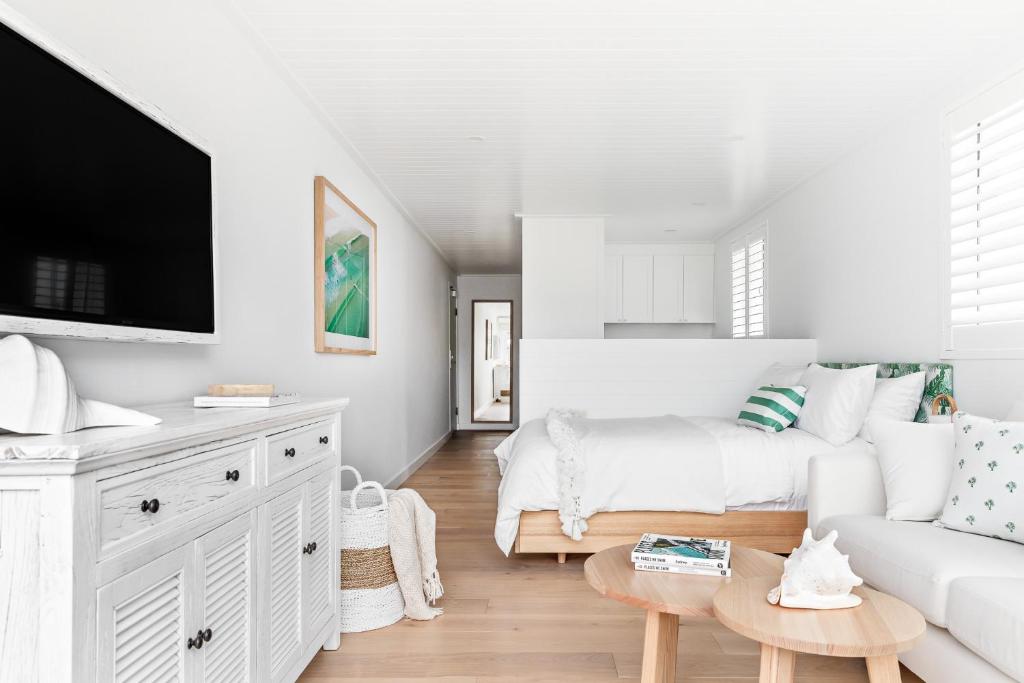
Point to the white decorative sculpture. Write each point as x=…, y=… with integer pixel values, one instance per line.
x=817, y=576
x=38, y=397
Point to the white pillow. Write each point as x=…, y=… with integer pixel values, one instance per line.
x=917, y=463
x=837, y=401
x=986, y=494
x=779, y=375
x=895, y=398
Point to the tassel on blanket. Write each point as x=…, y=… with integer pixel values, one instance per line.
x=411, y=526
x=432, y=588
x=561, y=431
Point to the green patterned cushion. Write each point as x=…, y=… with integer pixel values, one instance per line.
x=772, y=408
x=938, y=380
x=986, y=495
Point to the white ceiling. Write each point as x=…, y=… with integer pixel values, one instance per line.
x=662, y=115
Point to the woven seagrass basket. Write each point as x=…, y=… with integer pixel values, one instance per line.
x=368, y=593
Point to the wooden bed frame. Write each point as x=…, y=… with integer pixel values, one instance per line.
x=771, y=531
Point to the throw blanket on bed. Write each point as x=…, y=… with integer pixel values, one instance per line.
x=411, y=525
x=675, y=462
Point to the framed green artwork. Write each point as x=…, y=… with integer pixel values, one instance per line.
x=345, y=274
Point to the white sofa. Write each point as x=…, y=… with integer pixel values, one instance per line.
x=969, y=588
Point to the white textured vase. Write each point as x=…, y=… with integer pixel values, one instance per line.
x=38, y=397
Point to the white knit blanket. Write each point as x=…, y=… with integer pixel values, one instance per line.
x=411, y=527
x=675, y=462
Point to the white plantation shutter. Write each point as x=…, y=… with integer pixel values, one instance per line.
x=986, y=302
x=749, y=315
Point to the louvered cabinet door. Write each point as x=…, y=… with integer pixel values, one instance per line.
x=318, y=590
x=283, y=525
x=142, y=622
x=225, y=573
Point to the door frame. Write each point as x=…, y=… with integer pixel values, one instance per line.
x=511, y=361
x=453, y=358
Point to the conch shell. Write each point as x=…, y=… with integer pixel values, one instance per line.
x=817, y=576
x=38, y=397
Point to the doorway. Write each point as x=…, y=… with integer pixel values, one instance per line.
x=453, y=383
x=492, y=360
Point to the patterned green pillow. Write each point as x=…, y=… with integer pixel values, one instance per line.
x=772, y=408
x=986, y=495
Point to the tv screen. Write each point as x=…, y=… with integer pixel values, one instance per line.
x=106, y=214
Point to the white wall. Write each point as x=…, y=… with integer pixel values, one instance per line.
x=563, y=264
x=194, y=61
x=853, y=260
x=659, y=330
x=649, y=377
x=495, y=287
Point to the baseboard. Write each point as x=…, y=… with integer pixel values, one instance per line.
x=408, y=471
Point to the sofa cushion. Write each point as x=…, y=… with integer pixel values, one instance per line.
x=987, y=615
x=916, y=561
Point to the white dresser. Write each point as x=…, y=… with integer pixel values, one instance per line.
x=201, y=549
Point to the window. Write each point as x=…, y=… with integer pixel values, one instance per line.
x=986, y=238
x=749, y=315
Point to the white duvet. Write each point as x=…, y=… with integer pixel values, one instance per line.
x=759, y=470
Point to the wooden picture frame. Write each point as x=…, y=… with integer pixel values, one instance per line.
x=488, y=330
x=344, y=274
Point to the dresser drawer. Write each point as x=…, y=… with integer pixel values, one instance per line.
x=139, y=504
x=295, y=449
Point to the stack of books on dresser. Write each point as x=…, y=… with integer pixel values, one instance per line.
x=682, y=555
x=243, y=396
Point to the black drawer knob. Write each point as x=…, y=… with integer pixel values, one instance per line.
x=207, y=635
x=232, y=475
x=196, y=642
x=306, y=550
x=150, y=506
x=312, y=547
x=289, y=452
x=324, y=440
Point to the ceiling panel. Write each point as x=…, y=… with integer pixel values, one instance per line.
x=678, y=116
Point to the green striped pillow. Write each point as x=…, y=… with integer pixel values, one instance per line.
x=772, y=408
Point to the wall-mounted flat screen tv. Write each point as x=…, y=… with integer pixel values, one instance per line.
x=106, y=213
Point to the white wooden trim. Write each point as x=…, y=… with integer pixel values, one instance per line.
x=407, y=471
x=65, y=328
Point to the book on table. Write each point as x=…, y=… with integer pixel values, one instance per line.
x=673, y=569
x=682, y=551
x=244, y=401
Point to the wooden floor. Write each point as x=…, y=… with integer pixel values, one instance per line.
x=527, y=618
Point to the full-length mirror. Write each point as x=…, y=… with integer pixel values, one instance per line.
x=492, y=361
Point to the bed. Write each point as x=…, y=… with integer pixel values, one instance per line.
x=764, y=484
x=758, y=501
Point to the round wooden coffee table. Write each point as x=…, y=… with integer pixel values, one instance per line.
x=666, y=596
x=877, y=629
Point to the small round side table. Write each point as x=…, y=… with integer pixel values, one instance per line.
x=666, y=597
x=878, y=629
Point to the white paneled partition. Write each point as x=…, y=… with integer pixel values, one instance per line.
x=638, y=377
x=563, y=263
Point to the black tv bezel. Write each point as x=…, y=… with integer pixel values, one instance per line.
x=56, y=327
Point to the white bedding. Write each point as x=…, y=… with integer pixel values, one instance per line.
x=761, y=470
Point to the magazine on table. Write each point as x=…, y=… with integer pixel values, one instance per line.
x=682, y=551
